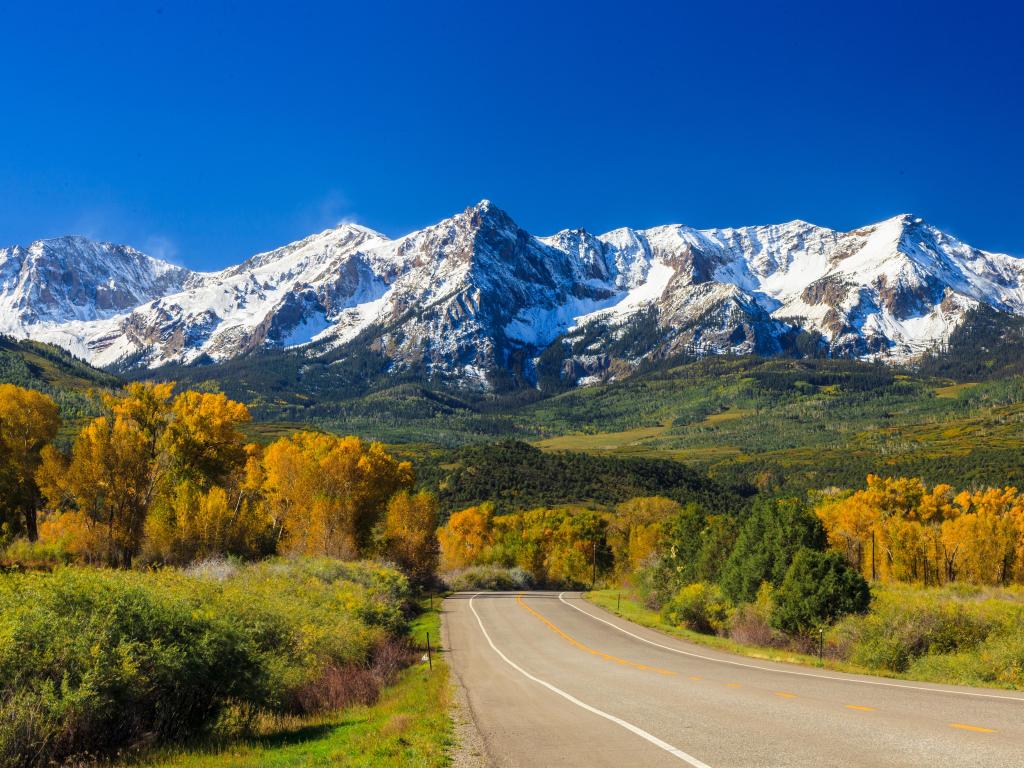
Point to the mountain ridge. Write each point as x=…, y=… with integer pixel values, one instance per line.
x=476, y=298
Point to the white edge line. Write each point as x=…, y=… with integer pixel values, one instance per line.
x=568, y=697
x=789, y=671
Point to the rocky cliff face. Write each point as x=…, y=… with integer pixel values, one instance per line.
x=475, y=298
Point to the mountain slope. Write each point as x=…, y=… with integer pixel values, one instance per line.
x=58, y=290
x=476, y=300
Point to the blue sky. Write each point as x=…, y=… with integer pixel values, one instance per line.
x=208, y=131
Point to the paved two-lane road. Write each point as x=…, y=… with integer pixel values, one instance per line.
x=553, y=680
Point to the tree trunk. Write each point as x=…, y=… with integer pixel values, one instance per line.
x=31, y=526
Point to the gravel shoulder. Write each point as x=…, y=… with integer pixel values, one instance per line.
x=470, y=750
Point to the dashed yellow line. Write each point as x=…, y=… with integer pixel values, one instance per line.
x=975, y=728
x=647, y=668
x=593, y=652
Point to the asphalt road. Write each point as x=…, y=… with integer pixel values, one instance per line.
x=552, y=680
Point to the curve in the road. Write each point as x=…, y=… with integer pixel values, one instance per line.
x=674, y=751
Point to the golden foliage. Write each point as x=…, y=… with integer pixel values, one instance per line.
x=132, y=461
x=193, y=524
x=466, y=536
x=635, y=530
x=555, y=546
x=897, y=529
x=110, y=479
x=410, y=535
x=326, y=493
x=203, y=437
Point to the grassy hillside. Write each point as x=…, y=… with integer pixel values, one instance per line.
x=56, y=372
x=37, y=365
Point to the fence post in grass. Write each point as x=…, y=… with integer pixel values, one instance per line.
x=618, y=603
x=430, y=661
x=821, y=646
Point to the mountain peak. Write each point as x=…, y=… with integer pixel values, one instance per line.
x=358, y=229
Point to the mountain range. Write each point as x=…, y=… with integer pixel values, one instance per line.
x=475, y=298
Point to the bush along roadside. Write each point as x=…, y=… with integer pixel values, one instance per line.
x=98, y=662
x=409, y=726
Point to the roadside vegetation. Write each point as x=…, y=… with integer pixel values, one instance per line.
x=952, y=635
x=162, y=581
x=408, y=726
x=97, y=661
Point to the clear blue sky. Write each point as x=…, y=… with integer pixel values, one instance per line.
x=209, y=130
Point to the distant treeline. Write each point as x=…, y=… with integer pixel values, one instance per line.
x=515, y=476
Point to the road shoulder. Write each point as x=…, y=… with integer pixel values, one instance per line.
x=470, y=750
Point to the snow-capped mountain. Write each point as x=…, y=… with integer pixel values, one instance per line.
x=58, y=290
x=475, y=297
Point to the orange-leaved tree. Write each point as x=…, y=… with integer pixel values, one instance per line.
x=126, y=464
x=898, y=529
x=29, y=420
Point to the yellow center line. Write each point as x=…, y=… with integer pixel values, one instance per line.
x=975, y=728
x=784, y=695
x=733, y=685
x=859, y=708
x=606, y=656
x=696, y=677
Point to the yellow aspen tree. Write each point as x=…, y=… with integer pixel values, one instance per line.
x=29, y=421
x=410, y=535
x=466, y=536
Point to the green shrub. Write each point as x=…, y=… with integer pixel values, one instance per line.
x=91, y=661
x=36, y=553
x=94, y=660
x=908, y=623
x=819, y=587
x=488, y=577
x=999, y=660
x=701, y=607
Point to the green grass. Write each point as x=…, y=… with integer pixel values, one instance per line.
x=954, y=390
x=601, y=441
x=410, y=726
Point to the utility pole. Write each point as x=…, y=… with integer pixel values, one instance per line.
x=872, y=555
